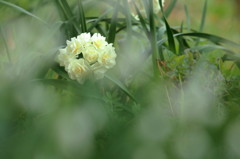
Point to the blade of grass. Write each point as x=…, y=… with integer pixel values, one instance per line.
x=121, y=86
x=60, y=71
x=209, y=48
x=70, y=16
x=170, y=38
x=210, y=37
x=6, y=46
x=203, y=19
x=142, y=21
x=188, y=19
x=160, y=35
x=68, y=28
x=22, y=10
x=99, y=19
x=182, y=41
x=128, y=18
x=101, y=30
x=213, y=38
x=82, y=17
x=153, y=39
x=204, y=13
x=113, y=25
x=170, y=8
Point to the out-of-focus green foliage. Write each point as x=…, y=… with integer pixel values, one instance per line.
x=183, y=103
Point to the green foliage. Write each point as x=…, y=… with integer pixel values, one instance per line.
x=173, y=91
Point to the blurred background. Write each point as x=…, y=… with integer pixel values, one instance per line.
x=43, y=118
x=222, y=15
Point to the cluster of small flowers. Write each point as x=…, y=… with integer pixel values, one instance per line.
x=140, y=5
x=86, y=56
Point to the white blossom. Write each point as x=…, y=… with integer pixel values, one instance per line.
x=87, y=56
x=107, y=57
x=78, y=70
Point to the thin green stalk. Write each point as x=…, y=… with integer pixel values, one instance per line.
x=153, y=39
x=170, y=102
x=82, y=17
x=187, y=18
x=128, y=18
x=6, y=46
x=113, y=26
x=22, y=10
x=170, y=8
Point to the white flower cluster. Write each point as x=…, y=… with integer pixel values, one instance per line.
x=86, y=56
x=140, y=5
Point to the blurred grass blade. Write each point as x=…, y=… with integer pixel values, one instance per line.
x=142, y=21
x=66, y=7
x=121, y=86
x=6, y=45
x=210, y=37
x=128, y=18
x=113, y=25
x=61, y=12
x=60, y=71
x=203, y=19
x=68, y=13
x=209, y=48
x=182, y=41
x=188, y=19
x=101, y=30
x=170, y=38
x=171, y=41
x=22, y=10
x=170, y=8
x=82, y=17
x=99, y=19
x=153, y=39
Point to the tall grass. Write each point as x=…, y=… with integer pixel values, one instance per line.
x=174, y=92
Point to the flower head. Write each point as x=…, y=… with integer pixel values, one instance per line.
x=86, y=56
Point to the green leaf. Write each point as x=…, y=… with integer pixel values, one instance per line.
x=121, y=86
x=22, y=10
